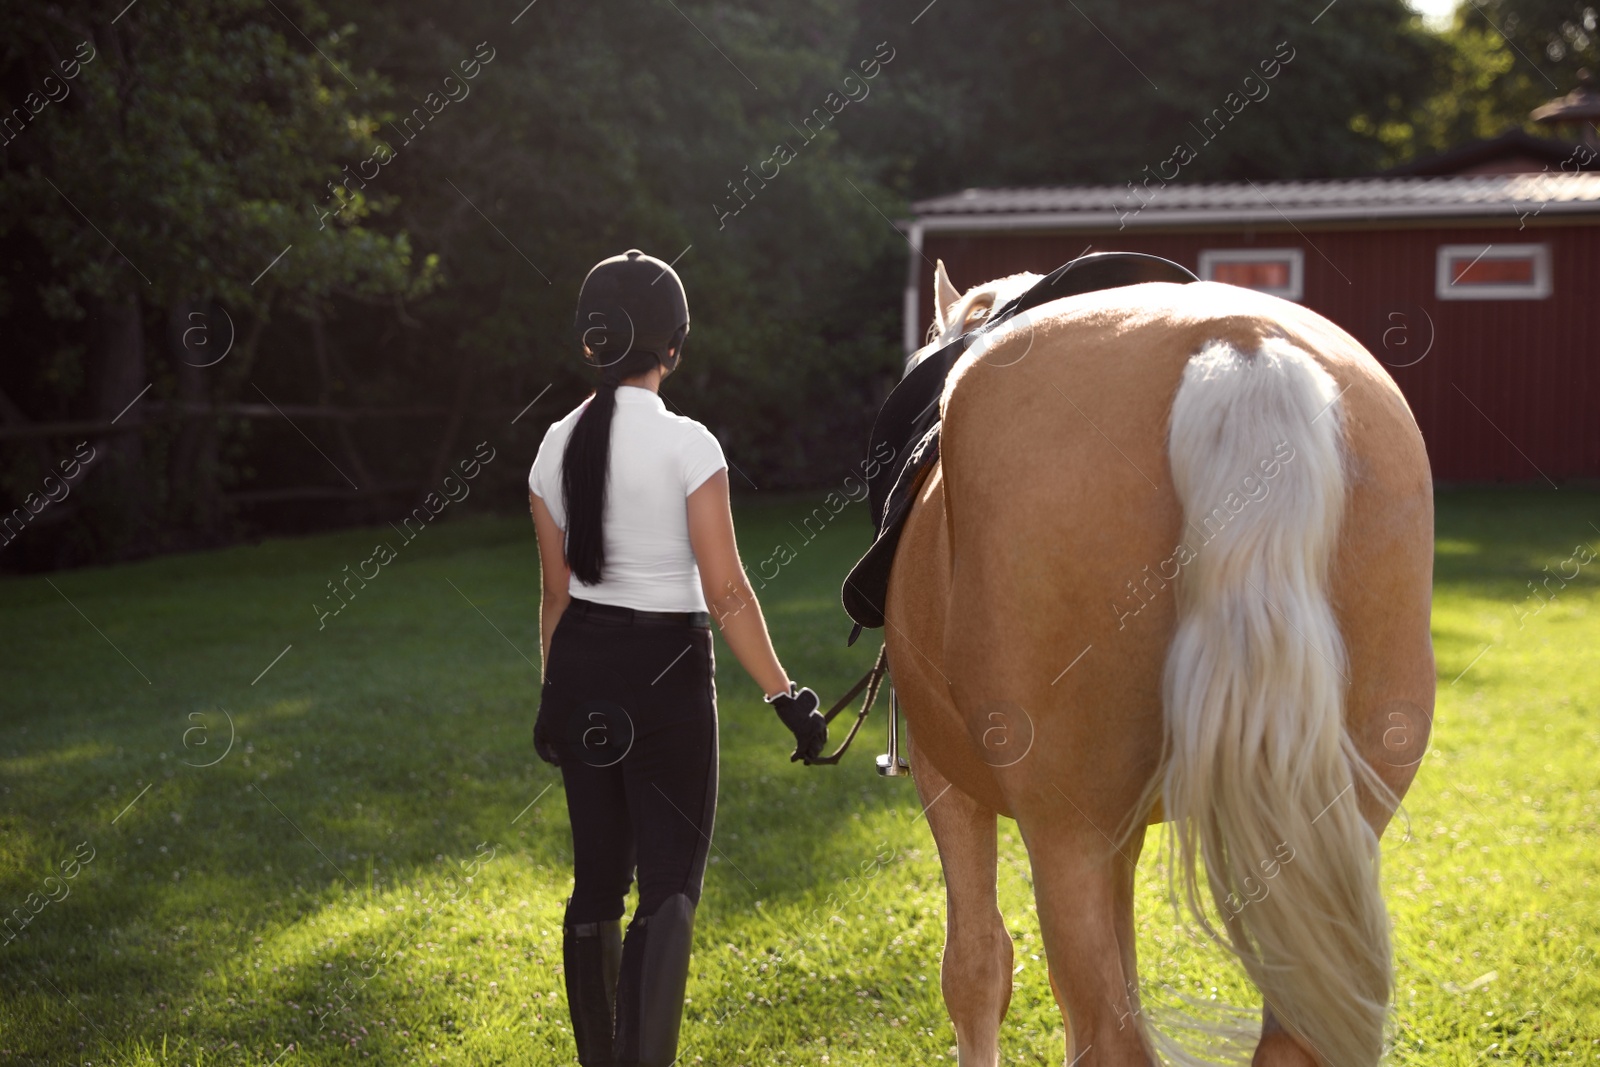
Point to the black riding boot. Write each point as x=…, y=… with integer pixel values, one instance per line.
x=655, y=968
x=592, y=953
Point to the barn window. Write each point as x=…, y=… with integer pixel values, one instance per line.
x=1493, y=272
x=1279, y=271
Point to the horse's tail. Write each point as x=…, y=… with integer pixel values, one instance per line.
x=1260, y=778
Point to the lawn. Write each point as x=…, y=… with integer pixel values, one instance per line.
x=248, y=833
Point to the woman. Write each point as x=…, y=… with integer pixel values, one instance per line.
x=637, y=551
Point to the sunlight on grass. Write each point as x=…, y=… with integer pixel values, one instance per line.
x=375, y=870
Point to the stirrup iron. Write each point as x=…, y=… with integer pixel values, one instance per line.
x=891, y=764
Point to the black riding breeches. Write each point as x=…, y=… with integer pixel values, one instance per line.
x=631, y=709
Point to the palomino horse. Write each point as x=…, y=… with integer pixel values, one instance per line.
x=1175, y=563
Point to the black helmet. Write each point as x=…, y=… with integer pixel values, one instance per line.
x=632, y=303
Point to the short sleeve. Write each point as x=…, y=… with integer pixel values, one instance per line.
x=701, y=458
x=544, y=480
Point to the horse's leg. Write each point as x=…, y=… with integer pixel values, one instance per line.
x=1084, y=890
x=1127, y=933
x=1127, y=940
x=976, y=971
x=1277, y=1048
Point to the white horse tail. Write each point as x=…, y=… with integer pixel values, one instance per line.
x=1260, y=777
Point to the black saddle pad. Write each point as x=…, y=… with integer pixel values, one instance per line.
x=907, y=426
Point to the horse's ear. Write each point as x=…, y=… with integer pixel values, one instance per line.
x=944, y=295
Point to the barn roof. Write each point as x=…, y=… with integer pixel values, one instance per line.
x=1179, y=203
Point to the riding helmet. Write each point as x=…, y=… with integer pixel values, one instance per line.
x=632, y=302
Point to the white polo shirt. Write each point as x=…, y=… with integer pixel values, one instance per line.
x=657, y=459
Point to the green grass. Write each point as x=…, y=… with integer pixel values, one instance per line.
x=368, y=843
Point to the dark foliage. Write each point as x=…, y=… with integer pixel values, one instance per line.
x=432, y=228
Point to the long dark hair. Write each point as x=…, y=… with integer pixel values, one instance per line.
x=587, y=459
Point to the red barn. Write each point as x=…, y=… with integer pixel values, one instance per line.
x=1480, y=293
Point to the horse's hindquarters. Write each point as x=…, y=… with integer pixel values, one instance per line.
x=1035, y=586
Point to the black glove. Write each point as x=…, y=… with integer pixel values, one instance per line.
x=798, y=710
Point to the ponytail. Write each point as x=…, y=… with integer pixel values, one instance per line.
x=584, y=466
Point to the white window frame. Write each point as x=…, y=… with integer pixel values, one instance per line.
x=1445, y=287
x=1295, y=257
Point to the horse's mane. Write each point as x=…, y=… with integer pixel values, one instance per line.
x=973, y=309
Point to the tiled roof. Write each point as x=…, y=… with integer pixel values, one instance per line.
x=1180, y=203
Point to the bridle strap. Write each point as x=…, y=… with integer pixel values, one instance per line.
x=870, y=682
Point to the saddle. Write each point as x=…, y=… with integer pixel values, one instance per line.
x=908, y=423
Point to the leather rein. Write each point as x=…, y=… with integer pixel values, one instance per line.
x=870, y=682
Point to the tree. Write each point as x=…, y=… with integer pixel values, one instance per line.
x=217, y=166
x=1504, y=58
x=1096, y=90
x=614, y=124
x=183, y=169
